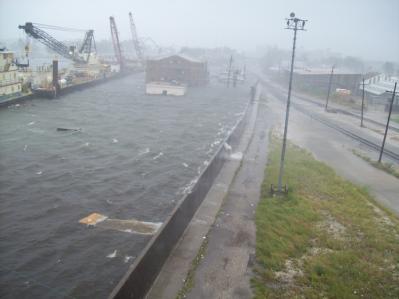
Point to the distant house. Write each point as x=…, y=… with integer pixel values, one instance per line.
x=177, y=69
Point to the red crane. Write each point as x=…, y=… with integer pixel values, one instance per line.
x=115, y=41
x=136, y=43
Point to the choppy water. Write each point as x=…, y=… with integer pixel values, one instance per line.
x=133, y=159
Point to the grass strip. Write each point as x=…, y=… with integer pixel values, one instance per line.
x=326, y=239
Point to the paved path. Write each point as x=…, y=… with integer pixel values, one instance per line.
x=225, y=270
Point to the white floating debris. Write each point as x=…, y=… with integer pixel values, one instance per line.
x=31, y=123
x=112, y=255
x=206, y=163
x=17, y=105
x=158, y=156
x=39, y=172
x=185, y=165
x=114, y=140
x=87, y=143
x=25, y=147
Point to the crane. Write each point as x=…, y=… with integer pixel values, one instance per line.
x=136, y=43
x=81, y=57
x=115, y=41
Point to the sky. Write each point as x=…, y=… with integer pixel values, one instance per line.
x=367, y=29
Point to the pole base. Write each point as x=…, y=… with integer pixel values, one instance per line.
x=275, y=191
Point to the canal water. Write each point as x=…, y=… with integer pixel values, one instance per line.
x=133, y=157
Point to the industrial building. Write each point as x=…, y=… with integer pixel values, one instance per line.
x=312, y=78
x=177, y=69
x=376, y=88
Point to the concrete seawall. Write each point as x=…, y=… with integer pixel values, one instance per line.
x=143, y=272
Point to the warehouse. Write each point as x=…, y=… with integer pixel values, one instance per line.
x=312, y=78
x=177, y=69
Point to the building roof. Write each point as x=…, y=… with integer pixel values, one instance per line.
x=322, y=71
x=378, y=85
x=182, y=56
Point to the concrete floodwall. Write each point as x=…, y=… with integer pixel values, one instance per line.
x=142, y=273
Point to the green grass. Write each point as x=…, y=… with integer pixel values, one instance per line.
x=384, y=166
x=359, y=258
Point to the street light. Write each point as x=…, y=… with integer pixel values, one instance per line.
x=295, y=24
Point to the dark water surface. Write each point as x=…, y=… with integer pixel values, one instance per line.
x=133, y=159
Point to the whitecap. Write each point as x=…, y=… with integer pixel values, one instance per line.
x=127, y=258
x=158, y=156
x=112, y=255
x=185, y=165
x=39, y=172
x=145, y=151
x=25, y=147
x=31, y=123
x=114, y=140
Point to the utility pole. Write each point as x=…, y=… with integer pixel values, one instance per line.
x=329, y=86
x=229, y=71
x=295, y=24
x=386, y=128
x=361, y=115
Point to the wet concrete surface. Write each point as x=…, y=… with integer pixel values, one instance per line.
x=225, y=271
x=335, y=149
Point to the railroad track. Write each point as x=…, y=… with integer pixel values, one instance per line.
x=364, y=141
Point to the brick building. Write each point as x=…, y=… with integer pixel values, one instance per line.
x=177, y=69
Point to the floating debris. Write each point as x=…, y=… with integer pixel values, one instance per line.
x=132, y=226
x=69, y=129
x=115, y=140
x=31, y=123
x=185, y=165
x=39, y=172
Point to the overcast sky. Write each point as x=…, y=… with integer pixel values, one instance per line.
x=365, y=28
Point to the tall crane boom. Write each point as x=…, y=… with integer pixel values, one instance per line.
x=115, y=41
x=135, y=39
x=88, y=44
x=68, y=52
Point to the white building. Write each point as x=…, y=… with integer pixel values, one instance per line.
x=10, y=84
